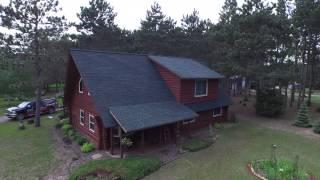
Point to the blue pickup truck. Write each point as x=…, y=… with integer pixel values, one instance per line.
x=28, y=109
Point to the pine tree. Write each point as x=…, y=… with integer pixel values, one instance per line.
x=317, y=128
x=303, y=118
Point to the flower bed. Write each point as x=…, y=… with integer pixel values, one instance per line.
x=282, y=169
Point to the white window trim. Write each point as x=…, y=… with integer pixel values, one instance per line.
x=90, y=121
x=217, y=115
x=189, y=121
x=195, y=87
x=81, y=123
x=80, y=91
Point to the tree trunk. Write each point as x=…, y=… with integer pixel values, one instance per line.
x=296, y=70
x=38, y=73
x=313, y=59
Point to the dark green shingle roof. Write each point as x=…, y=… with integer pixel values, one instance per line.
x=186, y=68
x=222, y=101
x=142, y=116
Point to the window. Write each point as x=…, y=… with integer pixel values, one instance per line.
x=189, y=121
x=80, y=86
x=81, y=117
x=201, y=88
x=217, y=112
x=91, y=123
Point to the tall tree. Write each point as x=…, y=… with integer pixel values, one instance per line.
x=99, y=30
x=156, y=32
x=33, y=22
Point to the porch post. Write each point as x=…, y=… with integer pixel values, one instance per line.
x=120, y=138
x=111, y=141
x=178, y=138
x=142, y=140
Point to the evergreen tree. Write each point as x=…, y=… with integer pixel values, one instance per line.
x=303, y=118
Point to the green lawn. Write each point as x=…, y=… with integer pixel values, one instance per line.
x=236, y=146
x=26, y=154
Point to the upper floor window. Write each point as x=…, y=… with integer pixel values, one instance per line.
x=91, y=123
x=217, y=112
x=80, y=86
x=201, y=88
x=81, y=117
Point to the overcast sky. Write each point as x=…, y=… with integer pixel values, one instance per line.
x=130, y=12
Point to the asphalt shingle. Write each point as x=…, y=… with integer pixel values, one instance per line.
x=142, y=116
x=115, y=79
x=186, y=68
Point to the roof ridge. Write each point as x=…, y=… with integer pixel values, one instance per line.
x=107, y=52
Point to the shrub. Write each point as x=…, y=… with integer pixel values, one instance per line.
x=71, y=133
x=87, y=147
x=318, y=109
x=196, y=144
x=80, y=139
x=317, y=128
x=65, y=128
x=130, y=168
x=303, y=118
x=269, y=103
x=126, y=141
x=218, y=125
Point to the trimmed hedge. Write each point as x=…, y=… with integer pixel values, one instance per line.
x=130, y=168
x=196, y=144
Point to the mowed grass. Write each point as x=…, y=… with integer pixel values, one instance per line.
x=26, y=154
x=236, y=146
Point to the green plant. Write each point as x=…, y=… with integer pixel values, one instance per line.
x=269, y=103
x=87, y=147
x=126, y=142
x=286, y=170
x=218, y=125
x=80, y=139
x=318, y=109
x=71, y=134
x=65, y=128
x=317, y=128
x=196, y=144
x=130, y=168
x=303, y=118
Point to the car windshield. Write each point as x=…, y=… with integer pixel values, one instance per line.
x=23, y=104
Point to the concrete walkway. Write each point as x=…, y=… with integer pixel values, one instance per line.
x=4, y=119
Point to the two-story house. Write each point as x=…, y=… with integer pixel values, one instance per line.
x=148, y=98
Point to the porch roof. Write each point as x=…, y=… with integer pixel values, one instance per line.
x=148, y=115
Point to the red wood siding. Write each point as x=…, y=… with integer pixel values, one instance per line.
x=84, y=101
x=172, y=81
x=204, y=119
x=188, y=88
x=183, y=89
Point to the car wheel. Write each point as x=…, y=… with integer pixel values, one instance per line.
x=51, y=110
x=20, y=117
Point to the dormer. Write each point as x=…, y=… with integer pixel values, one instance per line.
x=188, y=80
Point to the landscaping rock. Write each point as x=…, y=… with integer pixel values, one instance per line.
x=96, y=156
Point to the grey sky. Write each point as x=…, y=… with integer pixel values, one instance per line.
x=130, y=12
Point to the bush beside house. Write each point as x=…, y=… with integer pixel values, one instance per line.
x=70, y=134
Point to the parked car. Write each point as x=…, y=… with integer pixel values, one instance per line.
x=28, y=109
